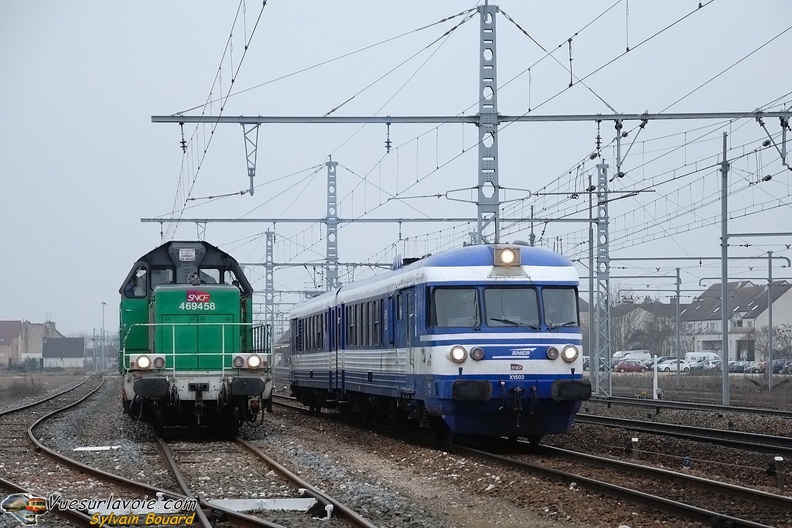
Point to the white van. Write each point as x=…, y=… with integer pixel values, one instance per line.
x=695, y=357
x=640, y=355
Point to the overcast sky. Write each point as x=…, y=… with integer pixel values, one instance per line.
x=81, y=162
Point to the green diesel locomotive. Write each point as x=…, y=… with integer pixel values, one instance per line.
x=190, y=353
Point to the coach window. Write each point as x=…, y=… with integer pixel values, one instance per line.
x=377, y=326
x=560, y=307
x=399, y=309
x=454, y=307
x=352, y=327
x=511, y=307
x=369, y=323
x=359, y=324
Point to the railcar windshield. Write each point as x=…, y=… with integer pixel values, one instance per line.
x=560, y=306
x=455, y=307
x=512, y=307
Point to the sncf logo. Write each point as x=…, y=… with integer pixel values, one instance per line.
x=197, y=296
x=515, y=366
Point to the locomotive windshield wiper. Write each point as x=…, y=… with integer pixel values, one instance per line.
x=568, y=323
x=515, y=323
x=507, y=321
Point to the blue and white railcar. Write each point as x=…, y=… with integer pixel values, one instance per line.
x=484, y=338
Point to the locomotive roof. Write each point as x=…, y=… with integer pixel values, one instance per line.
x=203, y=255
x=161, y=256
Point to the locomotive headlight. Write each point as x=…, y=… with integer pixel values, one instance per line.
x=552, y=353
x=477, y=354
x=238, y=362
x=143, y=362
x=507, y=256
x=253, y=361
x=159, y=362
x=457, y=354
x=570, y=353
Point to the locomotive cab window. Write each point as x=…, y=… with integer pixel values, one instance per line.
x=137, y=284
x=162, y=276
x=209, y=275
x=560, y=307
x=454, y=307
x=512, y=307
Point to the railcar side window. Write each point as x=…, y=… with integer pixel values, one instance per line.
x=560, y=307
x=511, y=307
x=454, y=307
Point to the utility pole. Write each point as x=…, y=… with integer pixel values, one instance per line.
x=103, y=338
x=725, y=274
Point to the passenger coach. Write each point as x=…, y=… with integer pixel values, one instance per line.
x=482, y=340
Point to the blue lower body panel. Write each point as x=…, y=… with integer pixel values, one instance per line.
x=497, y=407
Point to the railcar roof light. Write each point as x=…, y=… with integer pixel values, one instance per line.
x=507, y=256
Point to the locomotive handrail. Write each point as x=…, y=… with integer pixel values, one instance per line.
x=267, y=356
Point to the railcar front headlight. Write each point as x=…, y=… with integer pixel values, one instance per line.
x=552, y=353
x=477, y=354
x=457, y=354
x=570, y=353
x=253, y=361
x=159, y=362
x=238, y=362
x=143, y=362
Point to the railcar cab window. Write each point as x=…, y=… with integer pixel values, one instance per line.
x=454, y=307
x=512, y=307
x=560, y=307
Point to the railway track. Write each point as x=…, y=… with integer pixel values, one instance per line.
x=689, y=406
x=690, y=497
x=271, y=488
x=78, y=488
x=761, y=443
x=681, y=494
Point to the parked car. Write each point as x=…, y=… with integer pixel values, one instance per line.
x=674, y=364
x=778, y=365
x=710, y=364
x=630, y=365
x=736, y=366
x=787, y=367
x=752, y=367
x=714, y=364
x=650, y=362
x=587, y=365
